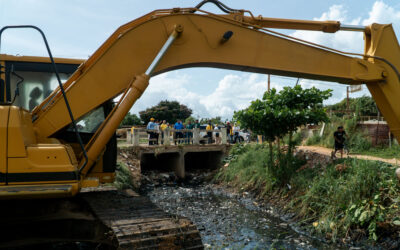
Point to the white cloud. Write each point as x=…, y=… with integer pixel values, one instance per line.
x=343, y=40
x=234, y=92
x=382, y=13
x=350, y=41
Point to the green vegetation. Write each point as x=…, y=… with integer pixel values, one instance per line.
x=360, y=195
x=365, y=105
x=383, y=152
x=131, y=119
x=171, y=111
x=250, y=167
x=123, y=177
x=213, y=120
x=357, y=141
x=345, y=199
x=277, y=115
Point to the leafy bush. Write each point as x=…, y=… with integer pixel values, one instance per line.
x=362, y=196
x=359, y=142
x=313, y=140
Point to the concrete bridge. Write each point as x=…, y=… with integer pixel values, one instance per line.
x=193, y=151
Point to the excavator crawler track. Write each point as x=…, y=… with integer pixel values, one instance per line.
x=94, y=219
x=138, y=224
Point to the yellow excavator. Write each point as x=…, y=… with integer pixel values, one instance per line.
x=58, y=119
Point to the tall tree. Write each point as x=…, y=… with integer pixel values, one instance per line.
x=279, y=114
x=171, y=111
x=131, y=119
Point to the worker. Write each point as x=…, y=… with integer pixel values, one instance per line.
x=189, y=134
x=34, y=101
x=132, y=131
x=217, y=136
x=151, y=130
x=340, y=136
x=236, y=130
x=157, y=131
x=196, y=124
x=163, y=126
x=209, y=130
x=178, y=134
x=229, y=132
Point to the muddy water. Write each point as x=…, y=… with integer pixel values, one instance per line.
x=231, y=221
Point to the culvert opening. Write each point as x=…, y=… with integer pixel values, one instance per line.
x=203, y=160
x=164, y=162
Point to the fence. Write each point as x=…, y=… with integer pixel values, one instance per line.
x=170, y=136
x=371, y=118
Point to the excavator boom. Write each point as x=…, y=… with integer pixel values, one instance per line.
x=130, y=50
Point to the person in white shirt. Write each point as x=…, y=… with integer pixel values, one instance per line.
x=236, y=130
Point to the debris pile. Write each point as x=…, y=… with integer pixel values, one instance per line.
x=312, y=159
x=129, y=158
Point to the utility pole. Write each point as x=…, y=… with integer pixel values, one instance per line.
x=269, y=82
x=348, y=101
x=297, y=82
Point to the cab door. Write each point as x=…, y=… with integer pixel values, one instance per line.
x=2, y=82
x=3, y=125
x=3, y=143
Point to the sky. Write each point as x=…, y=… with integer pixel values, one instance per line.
x=76, y=28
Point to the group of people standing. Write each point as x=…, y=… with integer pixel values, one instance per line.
x=155, y=128
x=232, y=132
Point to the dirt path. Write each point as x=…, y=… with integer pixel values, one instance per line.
x=327, y=151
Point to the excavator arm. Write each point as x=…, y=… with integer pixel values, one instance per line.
x=232, y=41
x=131, y=49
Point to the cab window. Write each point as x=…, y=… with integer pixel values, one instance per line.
x=35, y=81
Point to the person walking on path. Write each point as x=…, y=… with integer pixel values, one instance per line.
x=151, y=130
x=209, y=130
x=340, y=136
x=178, y=134
x=189, y=134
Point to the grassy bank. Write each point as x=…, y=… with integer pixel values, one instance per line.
x=382, y=152
x=349, y=199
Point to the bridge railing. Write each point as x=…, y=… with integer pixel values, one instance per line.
x=171, y=136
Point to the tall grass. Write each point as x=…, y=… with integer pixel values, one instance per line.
x=332, y=198
x=249, y=167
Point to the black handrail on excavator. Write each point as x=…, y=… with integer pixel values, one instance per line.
x=58, y=79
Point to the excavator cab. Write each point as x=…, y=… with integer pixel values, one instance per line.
x=31, y=165
x=27, y=81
